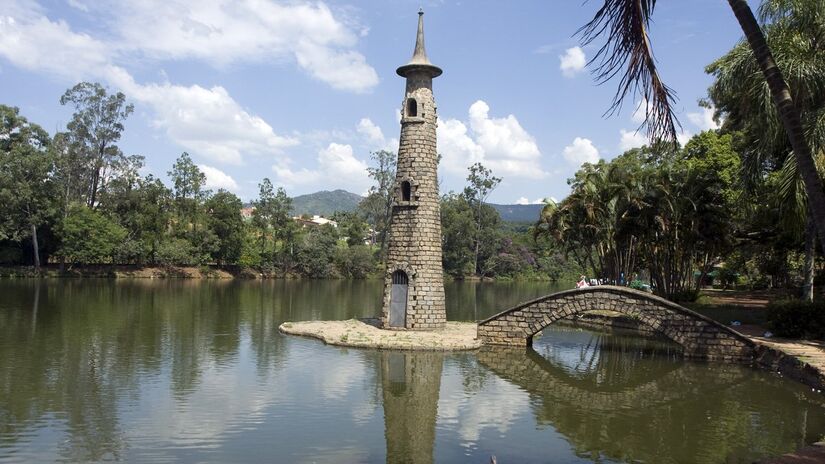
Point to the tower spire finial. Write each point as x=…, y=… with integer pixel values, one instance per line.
x=419, y=59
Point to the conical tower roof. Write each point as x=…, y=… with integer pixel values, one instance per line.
x=419, y=61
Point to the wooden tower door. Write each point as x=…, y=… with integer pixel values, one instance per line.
x=398, y=299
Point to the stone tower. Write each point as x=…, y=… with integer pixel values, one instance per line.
x=414, y=282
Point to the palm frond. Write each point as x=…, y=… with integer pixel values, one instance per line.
x=627, y=53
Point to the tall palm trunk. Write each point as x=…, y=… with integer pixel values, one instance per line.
x=788, y=113
x=810, y=254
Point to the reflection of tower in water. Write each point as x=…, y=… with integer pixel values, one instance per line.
x=410, y=384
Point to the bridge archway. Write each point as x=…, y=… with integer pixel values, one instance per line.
x=699, y=336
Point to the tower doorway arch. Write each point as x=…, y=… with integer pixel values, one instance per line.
x=398, y=299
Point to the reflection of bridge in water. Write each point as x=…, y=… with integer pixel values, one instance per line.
x=616, y=401
x=699, y=336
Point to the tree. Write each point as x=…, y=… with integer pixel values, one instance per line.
x=223, y=211
x=656, y=209
x=742, y=95
x=188, y=192
x=89, y=236
x=272, y=221
x=457, y=231
x=93, y=132
x=377, y=206
x=26, y=187
x=625, y=23
x=481, y=185
x=317, y=252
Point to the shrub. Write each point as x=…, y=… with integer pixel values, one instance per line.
x=176, y=251
x=797, y=319
x=356, y=262
x=90, y=237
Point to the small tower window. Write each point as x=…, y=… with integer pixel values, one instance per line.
x=405, y=191
x=412, y=107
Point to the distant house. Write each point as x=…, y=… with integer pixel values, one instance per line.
x=246, y=212
x=314, y=221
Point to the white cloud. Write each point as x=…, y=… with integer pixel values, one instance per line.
x=500, y=143
x=223, y=32
x=368, y=129
x=374, y=136
x=336, y=165
x=572, y=62
x=684, y=137
x=581, y=151
x=77, y=4
x=631, y=139
x=526, y=201
x=703, y=120
x=217, y=179
x=206, y=121
x=640, y=113
x=33, y=42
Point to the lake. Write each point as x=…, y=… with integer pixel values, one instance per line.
x=196, y=371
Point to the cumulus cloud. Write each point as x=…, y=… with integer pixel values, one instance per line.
x=374, y=136
x=631, y=139
x=223, y=32
x=33, y=42
x=640, y=112
x=217, y=179
x=581, y=151
x=220, y=33
x=703, y=119
x=336, y=165
x=572, y=62
x=206, y=121
x=500, y=143
x=368, y=129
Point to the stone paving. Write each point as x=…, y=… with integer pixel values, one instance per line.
x=454, y=336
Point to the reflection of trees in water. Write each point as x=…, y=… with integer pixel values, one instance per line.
x=605, y=359
x=80, y=346
x=473, y=301
x=624, y=405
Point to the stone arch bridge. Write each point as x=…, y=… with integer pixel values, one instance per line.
x=699, y=336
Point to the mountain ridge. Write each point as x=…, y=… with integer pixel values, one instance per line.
x=328, y=202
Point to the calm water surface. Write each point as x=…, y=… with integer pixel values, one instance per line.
x=191, y=371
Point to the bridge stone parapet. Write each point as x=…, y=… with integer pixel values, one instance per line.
x=699, y=336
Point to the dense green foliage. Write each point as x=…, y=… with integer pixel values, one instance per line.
x=797, y=319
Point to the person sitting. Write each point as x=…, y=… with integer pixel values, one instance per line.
x=582, y=282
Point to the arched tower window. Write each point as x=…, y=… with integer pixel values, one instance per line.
x=412, y=107
x=405, y=190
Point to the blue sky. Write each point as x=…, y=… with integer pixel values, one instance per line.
x=302, y=92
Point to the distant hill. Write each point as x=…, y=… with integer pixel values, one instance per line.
x=325, y=202
x=518, y=213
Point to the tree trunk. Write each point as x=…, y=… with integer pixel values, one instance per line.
x=35, y=248
x=810, y=254
x=788, y=113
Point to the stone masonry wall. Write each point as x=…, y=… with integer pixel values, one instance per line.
x=699, y=336
x=414, y=242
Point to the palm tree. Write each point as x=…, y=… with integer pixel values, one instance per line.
x=740, y=92
x=628, y=53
